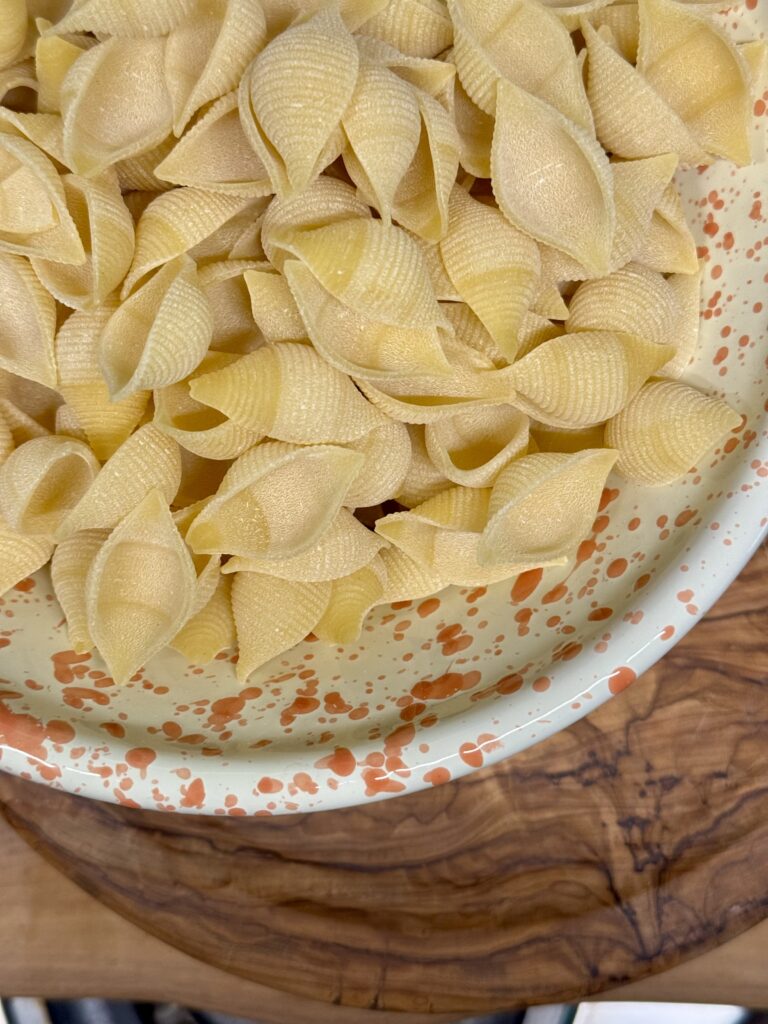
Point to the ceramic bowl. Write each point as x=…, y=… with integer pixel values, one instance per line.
x=440, y=687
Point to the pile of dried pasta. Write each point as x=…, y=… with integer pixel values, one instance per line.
x=264, y=263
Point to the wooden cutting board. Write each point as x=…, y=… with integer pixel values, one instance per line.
x=633, y=840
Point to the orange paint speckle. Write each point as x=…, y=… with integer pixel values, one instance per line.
x=684, y=595
x=542, y=684
x=428, y=607
x=445, y=686
x=555, y=594
x=437, y=776
x=685, y=516
x=140, y=758
x=598, y=614
x=193, y=795
x=471, y=754
x=340, y=762
x=617, y=568
x=525, y=584
x=621, y=678
x=268, y=785
x=667, y=633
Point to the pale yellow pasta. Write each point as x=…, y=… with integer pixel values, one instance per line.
x=668, y=245
x=273, y=307
x=107, y=423
x=406, y=579
x=114, y=103
x=473, y=447
x=22, y=427
x=138, y=172
x=548, y=302
x=638, y=187
x=290, y=393
x=534, y=331
x=197, y=427
x=520, y=42
x=68, y=424
x=259, y=510
x=475, y=129
x=229, y=300
x=237, y=238
x=18, y=80
x=581, y=379
x=494, y=267
x=542, y=505
x=211, y=630
x=435, y=77
x=21, y=555
x=28, y=317
x=280, y=14
x=44, y=130
x=470, y=332
x=272, y=615
x=687, y=291
x=146, y=461
x=106, y=229
x=423, y=479
x=129, y=18
x=351, y=598
x=633, y=300
x=623, y=20
x=139, y=588
x=37, y=400
x=42, y=480
x=387, y=453
x=159, y=334
x=566, y=439
x=207, y=566
x=665, y=430
x=418, y=28
x=293, y=96
x=568, y=203
x=342, y=549
x=200, y=477
x=6, y=439
x=13, y=31
x=71, y=561
x=54, y=57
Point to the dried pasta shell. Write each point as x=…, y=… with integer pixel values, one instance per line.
x=382, y=125
x=107, y=424
x=423, y=479
x=352, y=597
x=668, y=245
x=174, y=223
x=199, y=428
x=42, y=480
x=209, y=631
x=475, y=129
x=473, y=447
x=693, y=65
x=215, y=154
x=44, y=130
x=356, y=344
x=139, y=588
x=293, y=96
x=228, y=297
x=426, y=399
x=275, y=501
x=581, y=379
x=13, y=31
x=470, y=333
x=36, y=399
x=633, y=300
x=206, y=55
x=534, y=331
x=387, y=452
x=22, y=427
x=290, y=393
x=441, y=283
x=282, y=13
x=138, y=172
x=135, y=19
x=665, y=429
x=69, y=569
x=106, y=228
x=207, y=566
x=565, y=440
x=406, y=579
x=519, y=42
x=638, y=186
x=418, y=28
x=272, y=615
x=373, y=268
x=631, y=118
x=494, y=267
x=571, y=206
x=54, y=57
x=623, y=20
x=434, y=77
x=159, y=334
x=6, y=439
x=345, y=547
x=147, y=461
x=236, y=238
x=34, y=219
x=272, y=305
x=68, y=424
x=114, y=103
x=687, y=291
x=28, y=317
x=20, y=555
x=543, y=505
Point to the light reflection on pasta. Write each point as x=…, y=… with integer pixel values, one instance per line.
x=307, y=307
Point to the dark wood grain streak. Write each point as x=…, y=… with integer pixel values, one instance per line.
x=633, y=840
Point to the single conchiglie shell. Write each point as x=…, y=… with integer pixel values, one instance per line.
x=273, y=307
x=581, y=379
x=423, y=479
x=475, y=129
x=567, y=440
x=237, y=238
x=54, y=57
x=272, y=615
x=352, y=597
x=106, y=228
x=434, y=77
x=114, y=103
x=224, y=286
x=211, y=630
x=633, y=300
x=631, y=118
x=419, y=28
x=159, y=334
x=687, y=291
x=207, y=566
x=130, y=18
x=44, y=130
x=13, y=31
x=623, y=20
x=197, y=427
x=293, y=96
x=20, y=555
x=28, y=317
x=473, y=447
x=324, y=202
x=470, y=332
x=34, y=219
x=139, y=588
x=357, y=344
x=206, y=55
x=42, y=480
x=542, y=506
x=137, y=173
x=571, y=13
x=148, y=460
x=106, y=423
x=344, y=548
x=551, y=179
x=387, y=452
x=638, y=187
x=382, y=125
x=406, y=579
x=494, y=267
x=282, y=13
x=38, y=400
x=665, y=430
x=668, y=245
x=69, y=569
x=520, y=42
x=22, y=426
x=215, y=154
x=549, y=302
x=262, y=508
x=174, y=223
x=699, y=72
x=290, y=393
x=534, y=331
